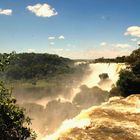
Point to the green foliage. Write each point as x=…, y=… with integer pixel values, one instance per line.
x=134, y=61
x=5, y=60
x=128, y=83
x=39, y=66
x=129, y=80
x=111, y=60
x=134, y=57
x=13, y=122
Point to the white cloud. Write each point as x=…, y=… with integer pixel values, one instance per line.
x=103, y=44
x=61, y=37
x=134, y=39
x=30, y=50
x=138, y=42
x=42, y=10
x=133, y=31
x=119, y=45
x=51, y=37
x=52, y=43
x=122, y=46
x=92, y=53
x=57, y=50
x=6, y=12
x=111, y=51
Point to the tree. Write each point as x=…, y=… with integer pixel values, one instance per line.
x=39, y=66
x=136, y=68
x=129, y=80
x=134, y=57
x=128, y=83
x=13, y=122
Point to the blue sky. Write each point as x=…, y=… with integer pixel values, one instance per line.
x=70, y=28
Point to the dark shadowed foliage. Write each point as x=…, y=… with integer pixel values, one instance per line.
x=129, y=79
x=13, y=122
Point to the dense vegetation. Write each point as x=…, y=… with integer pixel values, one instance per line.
x=129, y=79
x=121, y=59
x=35, y=76
x=39, y=66
x=13, y=122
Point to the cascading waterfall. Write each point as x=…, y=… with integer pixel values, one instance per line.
x=93, y=79
x=112, y=69
x=84, y=120
x=119, y=118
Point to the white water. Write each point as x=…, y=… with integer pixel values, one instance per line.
x=117, y=119
x=112, y=69
x=90, y=81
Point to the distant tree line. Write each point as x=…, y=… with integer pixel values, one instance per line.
x=121, y=59
x=31, y=65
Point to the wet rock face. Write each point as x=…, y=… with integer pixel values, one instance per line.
x=104, y=76
x=105, y=82
x=88, y=97
x=118, y=119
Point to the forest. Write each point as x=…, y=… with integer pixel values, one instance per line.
x=37, y=66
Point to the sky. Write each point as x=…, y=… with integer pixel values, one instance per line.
x=77, y=29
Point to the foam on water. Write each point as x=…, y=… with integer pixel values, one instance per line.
x=119, y=118
x=112, y=69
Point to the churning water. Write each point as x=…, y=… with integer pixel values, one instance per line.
x=112, y=69
x=93, y=79
x=117, y=119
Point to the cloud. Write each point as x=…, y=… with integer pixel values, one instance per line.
x=61, y=37
x=91, y=53
x=6, y=12
x=107, y=53
x=138, y=42
x=111, y=51
x=122, y=46
x=51, y=37
x=52, y=43
x=30, y=50
x=134, y=39
x=119, y=45
x=133, y=31
x=103, y=44
x=42, y=10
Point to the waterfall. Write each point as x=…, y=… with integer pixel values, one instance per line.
x=119, y=118
x=93, y=79
x=112, y=69
x=84, y=119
